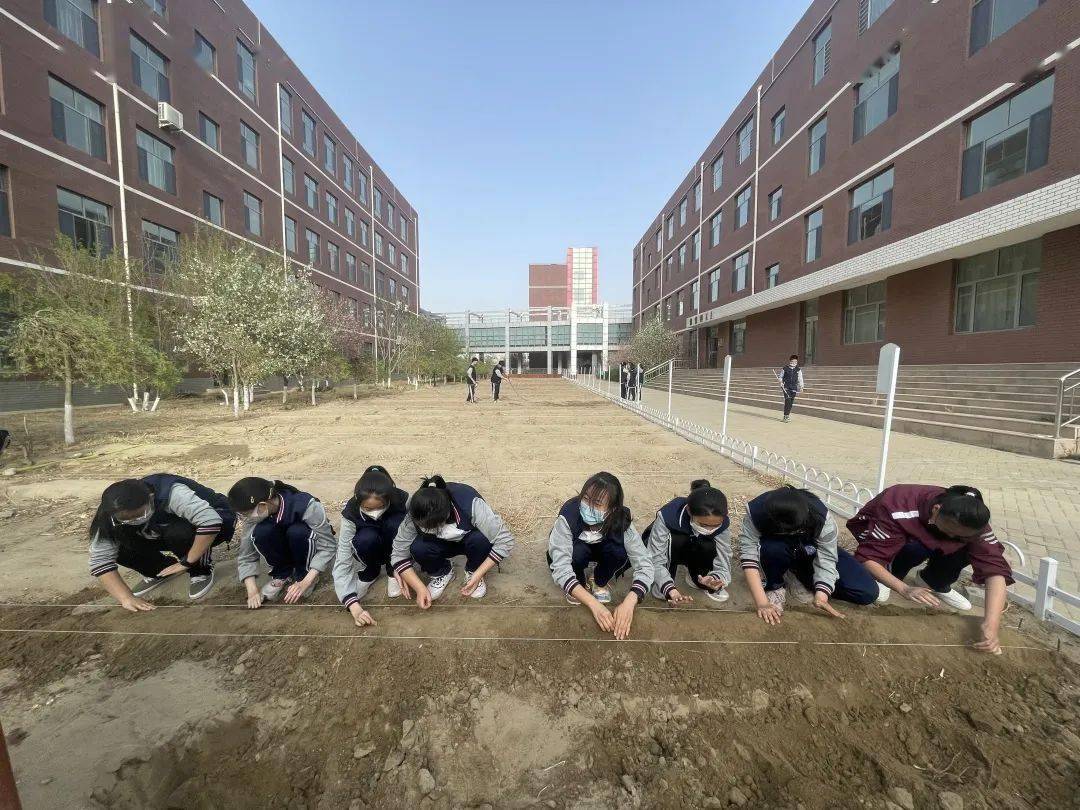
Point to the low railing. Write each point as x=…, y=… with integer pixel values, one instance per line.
x=844, y=498
x=1068, y=413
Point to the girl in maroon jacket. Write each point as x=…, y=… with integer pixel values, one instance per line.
x=909, y=524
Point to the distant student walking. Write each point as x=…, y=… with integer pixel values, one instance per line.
x=497, y=376
x=470, y=380
x=625, y=382
x=791, y=379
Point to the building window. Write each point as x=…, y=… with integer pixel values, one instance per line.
x=253, y=214
x=156, y=165
x=714, y=285
x=378, y=202
x=347, y=172
x=742, y=208
x=740, y=271
x=659, y=240
x=390, y=253
x=715, y=226
x=209, y=132
x=245, y=70
x=404, y=223
x=5, y=202
x=778, y=125
x=290, y=234
x=149, y=69
x=390, y=215
x=77, y=119
x=363, y=233
x=311, y=193
x=870, y=10
x=249, y=145
x=361, y=185
x=76, y=20
x=671, y=226
x=772, y=275
x=156, y=6
x=285, y=110
x=695, y=247
x=87, y=222
x=378, y=244
x=998, y=290
x=717, y=175
x=814, y=221
x=871, y=207
x=350, y=267
x=331, y=208
x=682, y=256
x=312, y=246
x=404, y=293
x=393, y=288
x=365, y=276
x=332, y=253
x=350, y=224
x=738, y=337
x=1008, y=140
x=205, y=54
x=213, y=208
x=679, y=303
x=667, y=309
x=822, y=52
x=746, y=139
x=404, y=265
x=329, y=156
x=876, y=96
x=992, y=18
x=668, y=265
x=161, y=246
x=288, y=175
x=864, y=314
x=697, y=196
x=775, y=201
x=818, y=134
x=309, y=132
x=682, y=212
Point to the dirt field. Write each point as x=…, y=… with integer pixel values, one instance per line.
x=214, y=706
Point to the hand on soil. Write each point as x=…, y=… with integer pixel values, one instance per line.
x=295, y=591
x=821, y=602
x=769, y=614
x=675, y=598
x=254, y=600
x=423, y=597
x=989, y=643
x=363, y=619
x=604, y=619
x=175, y=568
x=470, y=586
x=710, y=582
x=406, y=591
x=135, y=604
x=921, y=595
x=624, y=616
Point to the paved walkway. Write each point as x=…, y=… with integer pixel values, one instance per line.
x=1035, y=502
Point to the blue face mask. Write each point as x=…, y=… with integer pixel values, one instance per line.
x=591, y=515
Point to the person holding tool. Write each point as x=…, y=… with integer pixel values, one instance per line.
x=790, y=378
x=470, y=380
x=497, y=376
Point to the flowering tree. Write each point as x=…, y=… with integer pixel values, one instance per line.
x=653, y=344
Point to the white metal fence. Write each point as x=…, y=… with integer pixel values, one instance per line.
x=844, y=498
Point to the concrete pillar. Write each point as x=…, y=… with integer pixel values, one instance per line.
x=468, y=324
x=547, y=330
x=573, y=340
x=604, y=337
x=507, y=356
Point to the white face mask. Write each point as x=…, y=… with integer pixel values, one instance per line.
x=700, y=530
x=449, y=532
x=374, y=514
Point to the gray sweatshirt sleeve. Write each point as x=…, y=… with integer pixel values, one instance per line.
x=184, y=503
x=401, y=551
x=721, y=567
x=102, y=555
x=749, y=544
x=345, y=565
x=494, y=528
x=660, y=545
x=641, y=562
x=561, y=551
x=825, y=573
x=247, y=556
x=323, y=545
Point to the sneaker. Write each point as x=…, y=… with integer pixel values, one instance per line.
x=691, y=581
x=362, y=588
x=952, y=598
x=200, y=585
x=882, y=594
x=149, y=584
x=777, y=598
x=571, y=600
x=436, y=585
x=718, y=596
x=797, y=590
x=393, y=590
x=481, y=587
x=787, y=418
x=272, y=589
x=602, y=595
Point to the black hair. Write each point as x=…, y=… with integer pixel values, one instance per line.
x=431, y=503
x=603, y=483
x=965, y=505
x=794, y=357
x=475, y=360
x=131, y=493
x=705, y=500
x=788, y=510
x=377, y=483
x=247, y=492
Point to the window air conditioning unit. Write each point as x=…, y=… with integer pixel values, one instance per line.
x=169, y=117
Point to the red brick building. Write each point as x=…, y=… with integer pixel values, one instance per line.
x=902, y=170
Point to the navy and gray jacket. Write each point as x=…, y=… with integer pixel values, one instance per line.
x=675, y=517
x=208, y=511
x=822, y=547
x=296, y=507
x=568, y=530
x=356, y=530
x=469, y=511
x=792, y=378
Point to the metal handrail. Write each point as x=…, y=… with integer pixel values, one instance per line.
x=645, y=376
x=1060, y=421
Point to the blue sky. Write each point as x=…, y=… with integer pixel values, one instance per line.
x=518, y=129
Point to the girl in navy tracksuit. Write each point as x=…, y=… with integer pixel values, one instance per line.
x=369, y=523
x=695, y=532
x=445, y=520
x=595, y=527
x=160, y=525
x=287, y=528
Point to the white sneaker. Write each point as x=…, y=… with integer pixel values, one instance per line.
x=954, y=599
x=393, y=590
x=436, y=585
x=797, y=590
x=718, y=596
x=481, y=587
x=362, y=588
x=602, y=595
x=272, y=589
x=777, y=598
x=883, y=594
x=689, y=578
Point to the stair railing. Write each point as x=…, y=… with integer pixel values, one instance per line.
x=1068, y=412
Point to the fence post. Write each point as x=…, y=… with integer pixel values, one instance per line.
x=753, y=456
x=727, y=392
x=670, y=374
x=888, y=365
x=1046, y=580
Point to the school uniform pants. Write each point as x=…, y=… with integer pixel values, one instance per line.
x=373, y=550
x=623, y=390
x=471, y=395
x=175, y=537
x=789, y=401
x=696, y=554
x=854, y=583
x=610, y=558
x=495, y=385
x=434, y=555
x=940, y=573
x=287, y=549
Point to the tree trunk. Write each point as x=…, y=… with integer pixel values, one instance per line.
x=284, y=392
x=225, y=393
x=153, y=407
x=69, y=411
x=313, y=392
x=355, y=390
x=247, y=397
x=235, y=392
x=145, y=400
